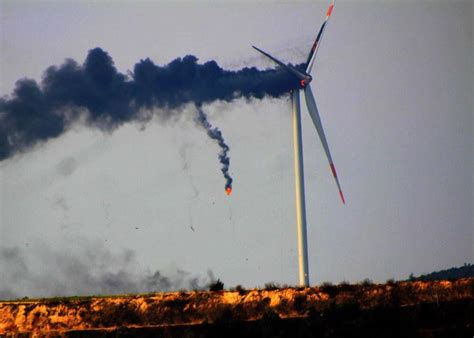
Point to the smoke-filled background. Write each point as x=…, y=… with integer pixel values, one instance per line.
x=106, y=99
x=92, y=270
x=35, y=112
x=123, y=164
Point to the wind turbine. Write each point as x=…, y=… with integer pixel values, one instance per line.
x=305, y=79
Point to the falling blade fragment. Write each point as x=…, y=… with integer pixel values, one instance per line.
x=216, y=134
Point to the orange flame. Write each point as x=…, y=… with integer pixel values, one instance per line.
x=228, y=191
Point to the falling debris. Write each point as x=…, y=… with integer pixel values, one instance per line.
x=216, y=134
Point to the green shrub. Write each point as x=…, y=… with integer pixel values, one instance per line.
x=367, y=282
x=329, y=288
x=218, y=285
x=271, y=286
x=240, y=290
x=345, y=286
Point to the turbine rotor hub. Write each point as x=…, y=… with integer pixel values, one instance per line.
x=306, y=80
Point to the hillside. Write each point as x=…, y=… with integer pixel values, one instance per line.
x=415, y=309
x=465, y=271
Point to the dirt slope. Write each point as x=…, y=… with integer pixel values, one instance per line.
x=423, y=306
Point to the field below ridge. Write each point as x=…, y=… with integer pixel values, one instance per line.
x=412, y=309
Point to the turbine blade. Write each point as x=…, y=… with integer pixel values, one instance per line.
x=317, y=42
x=314, y=113
x=287, y=67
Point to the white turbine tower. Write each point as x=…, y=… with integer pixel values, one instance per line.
x=305, y=79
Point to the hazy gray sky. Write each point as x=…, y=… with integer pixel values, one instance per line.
x=394, y=85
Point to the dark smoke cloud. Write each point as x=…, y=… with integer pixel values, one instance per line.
x=92, y=271
x=216, y=134
x=37, y=112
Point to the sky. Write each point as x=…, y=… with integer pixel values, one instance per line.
x=103, y=211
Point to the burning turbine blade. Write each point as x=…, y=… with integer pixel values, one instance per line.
x=291, y=69
x=216, y=134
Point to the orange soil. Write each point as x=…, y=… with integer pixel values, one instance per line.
x=184, y=308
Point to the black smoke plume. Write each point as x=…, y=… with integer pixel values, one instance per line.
x=35, y=112
x=216, y=134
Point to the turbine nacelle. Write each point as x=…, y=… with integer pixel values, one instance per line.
x=306, y=81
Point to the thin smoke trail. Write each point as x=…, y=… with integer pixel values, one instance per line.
x=215, y=134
